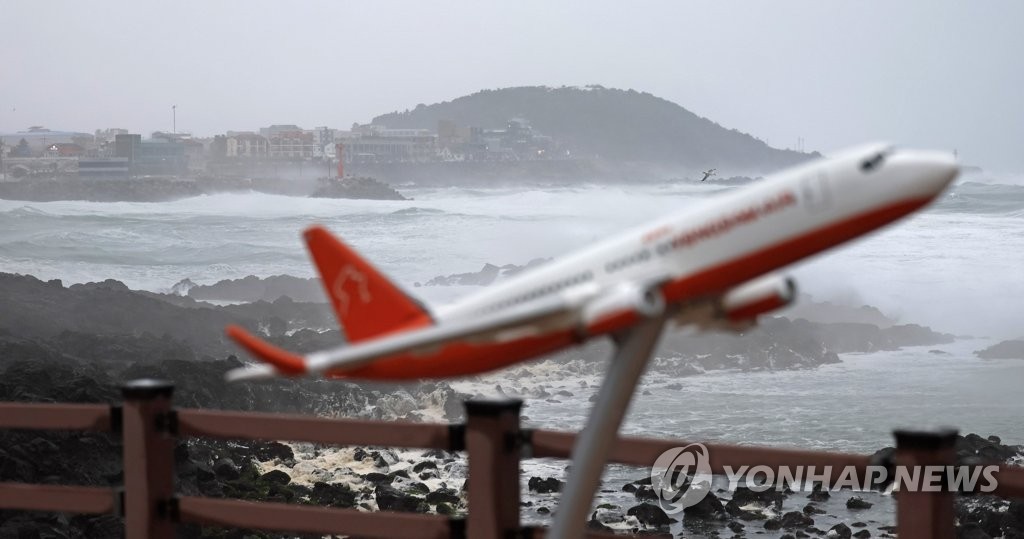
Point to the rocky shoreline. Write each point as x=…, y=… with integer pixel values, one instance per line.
x=78, y=343
x=790, y=340
x=356, y=187
x=372, y=479
x=169, y=189
x=1012, y=349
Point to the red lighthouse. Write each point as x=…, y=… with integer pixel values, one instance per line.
x=339, y=152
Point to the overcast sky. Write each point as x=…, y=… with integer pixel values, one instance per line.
x=925, y=73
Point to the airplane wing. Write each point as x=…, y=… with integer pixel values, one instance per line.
x=507, y=324
x=587, y=311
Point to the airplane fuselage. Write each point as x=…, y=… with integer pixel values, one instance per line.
x=699, y=253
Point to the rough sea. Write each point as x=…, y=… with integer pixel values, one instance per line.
x=957, y=267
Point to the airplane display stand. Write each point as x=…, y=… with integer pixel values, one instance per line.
x=593, y=444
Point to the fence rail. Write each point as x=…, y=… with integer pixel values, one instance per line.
x=491, y=437
x=65, y=499
x=87, y=417
x=298, y=428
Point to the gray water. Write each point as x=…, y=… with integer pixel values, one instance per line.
x=959, y=267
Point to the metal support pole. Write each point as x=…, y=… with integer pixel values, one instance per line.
x=148, y=459
x=493, y=443
x=592, y=446
x=922, y=512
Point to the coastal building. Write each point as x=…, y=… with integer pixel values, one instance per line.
x=64, y=149
x=378, y=144
x=38, y=139
x=246, y=145
x=323, y=140
x=292, y=145
x=278, y=129
x=288, y=141
x=154, y=157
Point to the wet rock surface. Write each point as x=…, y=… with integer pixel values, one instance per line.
x=168, y=189
x=489, y=274
x=78, y=343
x=249, y=470
x=1012, y=349
x=252, y=288
x=77, y=318
x=134, y=190
x=357, y=187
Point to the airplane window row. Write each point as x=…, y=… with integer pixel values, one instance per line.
x=545, y=290
x=635, y=258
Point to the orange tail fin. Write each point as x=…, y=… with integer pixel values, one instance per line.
x=285, y=362
x=366, y=302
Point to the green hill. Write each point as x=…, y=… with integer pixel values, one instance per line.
x=616, y=125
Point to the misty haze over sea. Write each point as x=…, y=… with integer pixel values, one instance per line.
x=955, y=268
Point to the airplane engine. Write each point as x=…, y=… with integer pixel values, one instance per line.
x=625, y=301
x=743, y=304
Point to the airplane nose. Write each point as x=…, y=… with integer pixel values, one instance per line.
x=941, y=170
x=928, y=172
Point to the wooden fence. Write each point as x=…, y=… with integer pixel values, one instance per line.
x=491, y=436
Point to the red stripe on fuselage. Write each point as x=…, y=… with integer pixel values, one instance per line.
x=750, y=312
x=461, y=358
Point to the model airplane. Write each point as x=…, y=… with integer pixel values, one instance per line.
x=710, y=265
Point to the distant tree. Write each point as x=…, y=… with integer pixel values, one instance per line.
x=22, y=149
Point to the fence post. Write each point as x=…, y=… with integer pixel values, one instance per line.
x=493, y=441
x=921, y=512
x=148, y=426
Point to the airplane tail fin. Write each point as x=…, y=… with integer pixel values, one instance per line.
x=366, y=303
x=283, y=361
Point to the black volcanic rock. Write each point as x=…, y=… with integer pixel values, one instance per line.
x=332, y=495
x=650, y=515
x=1012, y=349
x=253, y=288
x=858, y=337
x=544, y=485
x=990, y=449
x=856, y=502
x=37, y=373
x=708, y=508
x=355, y=187
x=743, y=496
x=777, y=344
x=796, y=519
x=841, y=531
x=108, y=321
x=487, y=275
x=825, y=312
x=390, y=498
x=135, y=190
x=34, y=309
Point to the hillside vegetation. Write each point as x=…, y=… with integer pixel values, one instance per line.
x=616, y=125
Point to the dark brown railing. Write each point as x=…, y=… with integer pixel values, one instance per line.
x=491, y=437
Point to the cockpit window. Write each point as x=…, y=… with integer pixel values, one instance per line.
x=874, y=162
